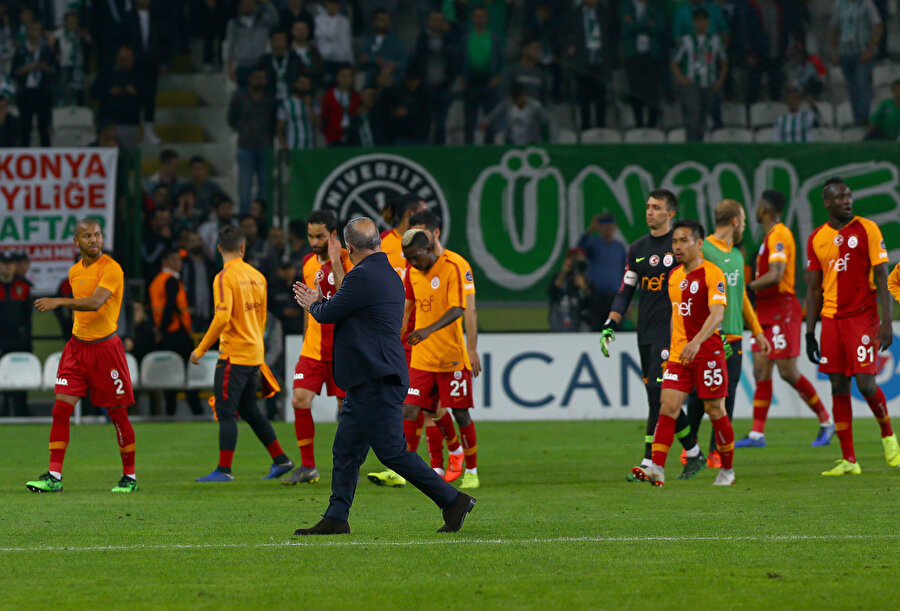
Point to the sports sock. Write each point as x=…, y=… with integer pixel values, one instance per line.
x=263, y=430
x=306, y=433
x=843, y=424
x=470, y=445
x=420, y=425
x=684, y=432
x=435, y=446
x=878, y=405
x=762, y=399
x=228, y=433
x=409, y=432
x=277, y=454
x=445, y=424
x=806, y=391
x=653, y=394
x=662, y=439
x=724, y=440
x=226, y=457
x=692, y=452
x=125, y=437
x=59, y=435
x=695, y=413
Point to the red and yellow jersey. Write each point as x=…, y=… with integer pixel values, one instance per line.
x=318, y=338
x=434, y=292
x=466, y=269
x=392, y=246
x=778, y=245
x=894, y=282
x=692, y=294
x=239, y=322
x=106, y=273
x=846, y=258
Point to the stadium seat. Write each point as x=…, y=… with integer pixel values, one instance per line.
x=764, y=114
x=566, y=136
x=500, y=138
x=73, y=136
x=133, y=370
x=843, y=115
x=73, y=116
x=836, y=76
x=645, y=136
x=676, y=136
x=564, y=116
x=853, y=134
x=201, y=376
x=162, y=369
x=826, y=134
x=456, y=116
x=734, y=114
x=20, y=371
x=881, y=94
x=601, y=135
x=885, y=74
x=626, y=115
x=731, y=134
x=764, y=135
x=51, y=364
x=826, y=114
x=671, y=116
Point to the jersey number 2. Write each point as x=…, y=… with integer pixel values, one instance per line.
x=120, y=387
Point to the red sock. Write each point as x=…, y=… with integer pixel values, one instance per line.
x=878, y=405
x=843, y=424
x=420, y=424
x=435, y=446
x=662, y=439
x=470, y=445
x=806, y=391
x=59, y=434
x=125, y=437
x=762, y=398
x=274, y=449
x=226, y=457
x=306, y=432
x=725, y=440
x=445, y=424
x=409, y=431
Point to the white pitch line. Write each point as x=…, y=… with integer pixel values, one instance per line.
x=438, y=542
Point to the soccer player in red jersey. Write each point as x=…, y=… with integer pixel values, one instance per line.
x=846, y=277
x=696, y=354
x=780, y=315
x=94, y=359
x=327, y=263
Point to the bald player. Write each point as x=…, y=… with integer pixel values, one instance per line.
x=94, y=359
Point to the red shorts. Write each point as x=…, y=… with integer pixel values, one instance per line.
x=311, y=374
x=453, y=388
x=849, y=345
x=99, y=367
x=708, y=375
x=784, y=332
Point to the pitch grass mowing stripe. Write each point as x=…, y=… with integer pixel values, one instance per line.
x=538, y=541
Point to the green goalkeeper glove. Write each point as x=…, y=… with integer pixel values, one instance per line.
x=608, y=335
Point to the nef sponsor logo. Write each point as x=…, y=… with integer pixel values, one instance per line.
x=683, y=308
x=424, y=305
x=733, y=278
x=840, y=264
x=653, y=283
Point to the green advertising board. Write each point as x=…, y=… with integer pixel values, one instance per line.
x=514, y=212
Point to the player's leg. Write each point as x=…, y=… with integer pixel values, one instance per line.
x=51, y=481
x=226, y=394
x=466, y=426
x=435, y=443
x=455, y=392
x=843, y=424
x=673, y=394
x=305, y=431
x=787, y=369
x=878, y=404
x=125, y=438
x=412, y=431
x=724, y=437
x=692, y=458
x=762, y=399
x=261, y=427
x=733, y=364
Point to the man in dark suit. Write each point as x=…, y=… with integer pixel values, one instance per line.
x=143, y=33
x=370, y=364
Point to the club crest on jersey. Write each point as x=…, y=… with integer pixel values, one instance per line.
x=114, y=374
x=668, y=260
x=695, y=286
x=776, y=330
x=882, y=245
x=664, y=355
x=654, y=260
x=779, y=247
x=435, y=282
x=865, y=340
x=838, y=240
x=457, y=375
x=683, y=284
x=468, y=276
x=710, y=364
x=320, y=275
x=720, y=287
x=331, y=278
x=852, y=242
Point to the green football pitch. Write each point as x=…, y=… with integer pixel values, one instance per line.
x=556, y=526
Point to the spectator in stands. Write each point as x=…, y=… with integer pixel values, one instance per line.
x=370, y=125
x=590, y=55
x=409, y=111
x=299, y=247
x=15, y=324
x=223, y=214
x=545, y=22
x=161, y=197
x=207, y=19
x=570, y=295
x=259, y=252
x=885, y=121
x=186, y=215
x=482, y=60
x=204, y=188
x=10, y=132
x=118, y=92
x=683, y=20
x=281, y=298
x=139, y=339
x=143, y=33
x=276, y=239
x=333, y=39
x=105, y=20
x=197, y=272
x=529, y=73
x=72, y=49
x=436, y=58
x=252, y=115
x=158, y=239
x=34, y=68
x=525, y=119
x=64, y=315
x=305, y=49
x=797, y=124
x=297, y=117
x=338, y=106
x=246, y=37
x=258, y=210
x=606, y=260
x=856, y=28
x=382, y=56
x=281, y=66
x=805, y=71
x=700, y=67
x=761, y=40
x=7, y=35
x=643, y=25
x=294, y=11
x=167, y=174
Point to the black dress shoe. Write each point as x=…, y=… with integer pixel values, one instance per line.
x=455, y=513
x=326, y=527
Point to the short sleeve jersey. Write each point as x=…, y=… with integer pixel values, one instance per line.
x=434, y=292
x=318, y=340
x=392, y=246
x=777, y=246
x=692, y=294
x=894, y=282
x=105, y=273
x=846, y=258
x=731, y=262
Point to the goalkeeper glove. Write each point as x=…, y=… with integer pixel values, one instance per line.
x=726, y=346
x=812, y=348
x=608, y=335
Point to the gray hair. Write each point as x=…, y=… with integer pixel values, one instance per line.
x=362, y=238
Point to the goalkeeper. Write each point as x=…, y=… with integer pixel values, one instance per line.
x=647, y=266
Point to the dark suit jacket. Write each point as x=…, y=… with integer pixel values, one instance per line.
x=152, y=53
x=367, y=313
x=575, y=36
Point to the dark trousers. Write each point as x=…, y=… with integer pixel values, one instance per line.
x=180, y=341
x=439, y=101
x=591, y=89
x=372, y=416
x=652, y=369
x=600, y=305
x=236, y=394
x=645, y=88
x=148, y=81
x=773, y=68
x=483, y=97
x=14, y=404
x=35, y=103
x=695, y=405
x=698, y=103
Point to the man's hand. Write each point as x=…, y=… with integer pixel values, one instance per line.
x=812, y=348
x=689, y=351
x=475, y=360
x=726, y=346
x=764, y=346
x=334, y=249
x=607, y=336
x=45, y=304
x=306, y=296
x=417, y=336
x=885, y=335
x=194, y=358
